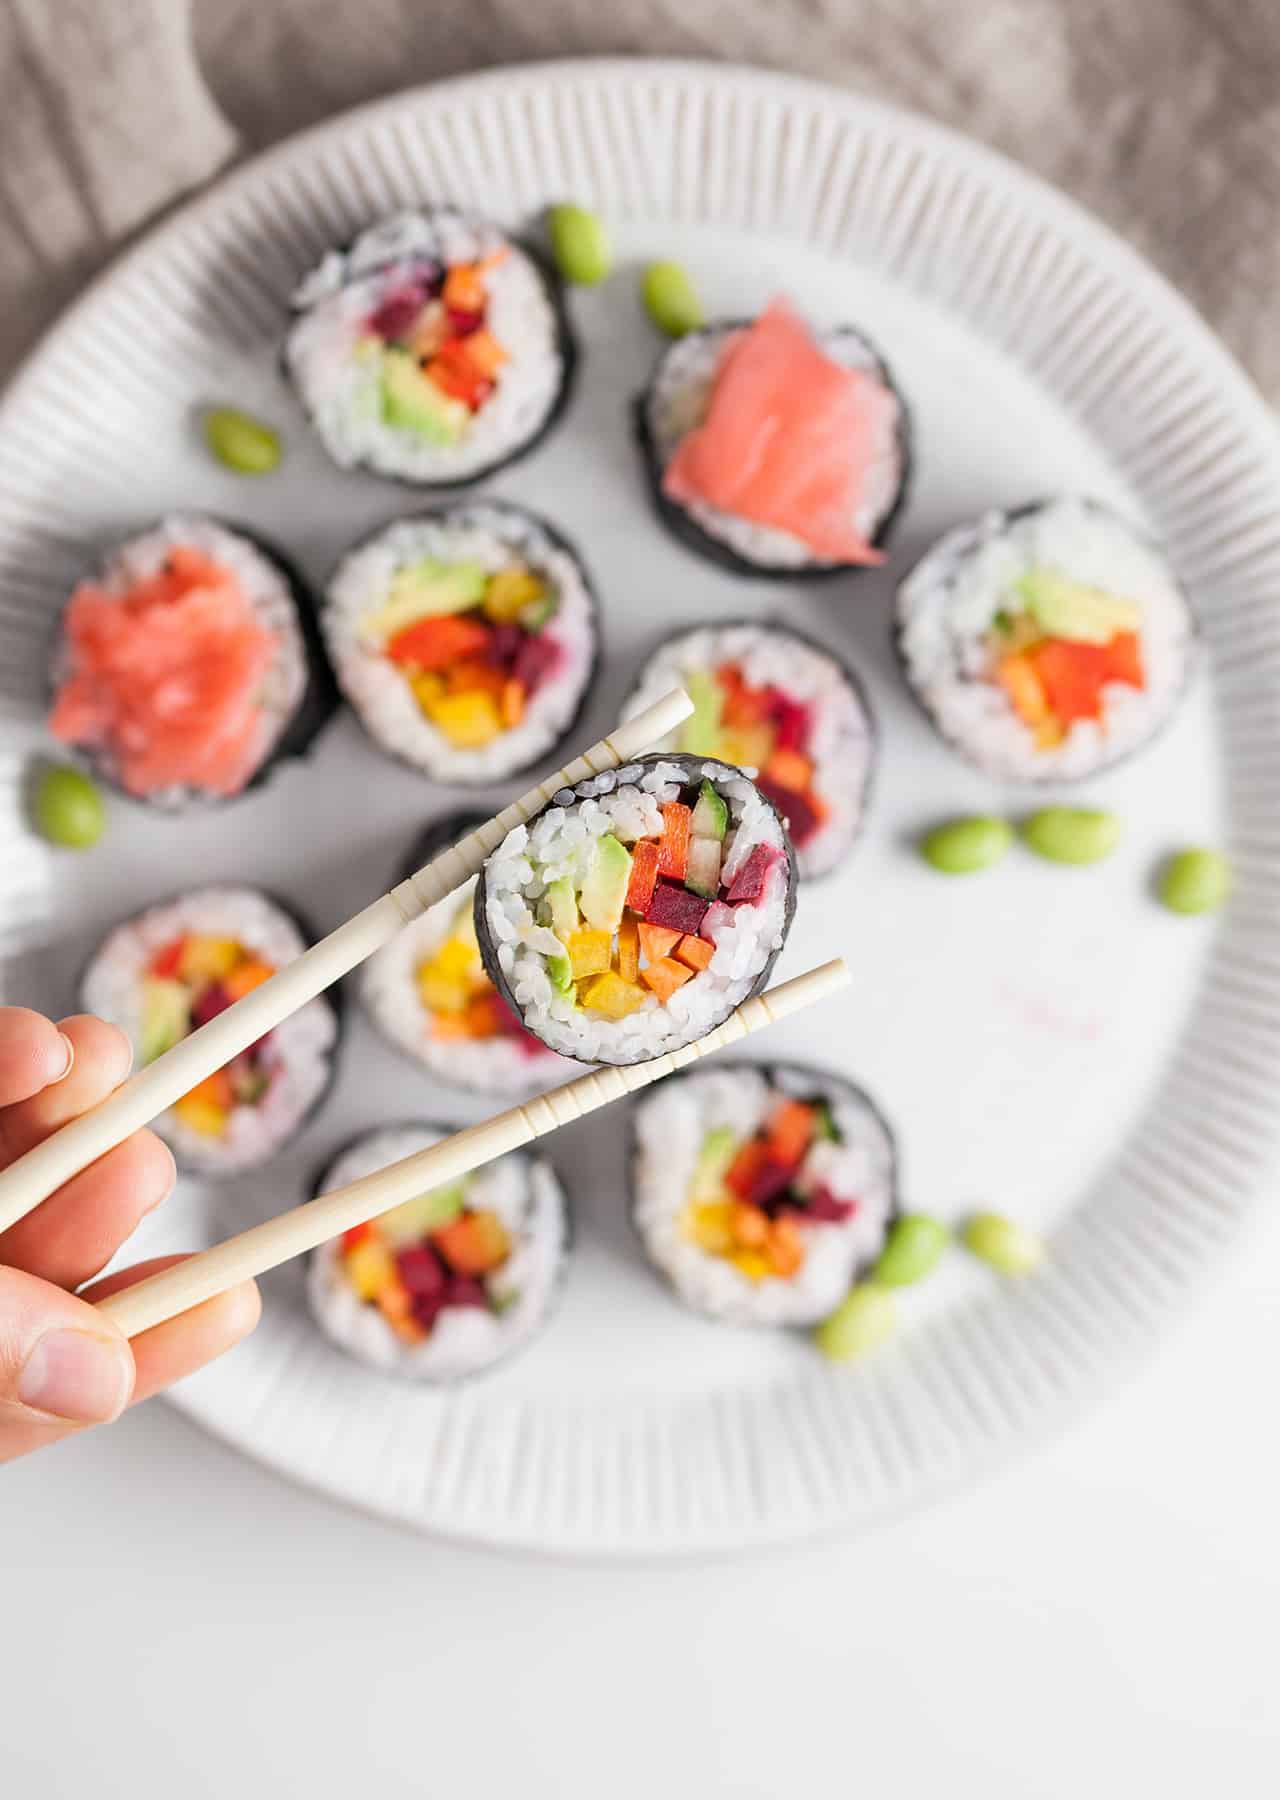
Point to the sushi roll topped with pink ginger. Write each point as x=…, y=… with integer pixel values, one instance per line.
x=776, y=448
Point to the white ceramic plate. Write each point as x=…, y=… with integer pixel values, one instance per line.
x=1048, y=1042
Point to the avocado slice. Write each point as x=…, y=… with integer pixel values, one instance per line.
x=413, y=1219
x=710, y=815
x=410, y=402
x=1064, y=608
x=560, y=969
x=604, y=892
x=421, y=590
x=714, y=1156
x=166, y=1017
x=534, y=614
x=564, y=908
x=701, y=729
x=824, y=1124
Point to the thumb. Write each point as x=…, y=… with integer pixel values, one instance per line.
x=62, y=1365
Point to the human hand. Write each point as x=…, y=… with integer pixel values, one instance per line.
x=63, y=1365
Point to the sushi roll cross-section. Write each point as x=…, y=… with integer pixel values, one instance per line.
x=761, y=1193
x=1048, y=643
x=451, y=1282
x=429, y=994
x=434, y=348
x=768, y=700
x=466, y=640
x=189, y=664
x=638, y=908
x=169, y=970
x=774, y=448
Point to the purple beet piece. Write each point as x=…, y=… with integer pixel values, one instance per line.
x=427, y=1308
x=214, y=1000
x=768, y=1182
x=397, y=314
x=790, y=722
x=505, y=644
x=535, y=660
x=677, y=908
x=717, y=914
x=796, y=809
x=748, y=883
x=465, y=1290
x=524, y=1041
x=421, y=1271
x=827, y=1207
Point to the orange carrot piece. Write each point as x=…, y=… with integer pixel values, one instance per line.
x=790, y=770
x=745, y=1166
x=629, y=949
x=665, y=976
x=789, y=1132
x=484, y=353
x=785, y=1247
x=644, y=874
x=513, y=699
x=695, y=953
x=464, y=289
x=749, y=1224
x=673, y=848
x=656, y=940
x=1021, y=681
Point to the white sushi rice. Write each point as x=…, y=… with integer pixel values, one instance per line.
x=298, y=1056
x=268, y=593
x=525, y=1194
x=842, y=741
x=494, y=537
x=342, y=393
x=678, y=398
x=671, y=1123
x=628, y=802
x=947, y=605
x=389, y=989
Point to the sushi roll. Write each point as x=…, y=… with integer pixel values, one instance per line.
x=638, y=908
x=1045, y=644
x=434, y=348
x=452, y=1282
x=761, y=1192
x=776, y=449
x=189, y=664
x=774, y=703
x=429, y=995
x=171, y=969
x=466, y=639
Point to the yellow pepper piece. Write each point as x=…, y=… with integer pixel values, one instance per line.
x=509, y=591
x=468, y=719
x=754, y=1264
x=370, y=1267
x=428, y=689
x=749, y=746
x=590, y=953
x=442, y=992
x=611, y=995
x=710, y=1226
x=208, y=958
x=456, y=959
x=202, y=1115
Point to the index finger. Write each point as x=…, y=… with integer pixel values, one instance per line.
x=33, y=1054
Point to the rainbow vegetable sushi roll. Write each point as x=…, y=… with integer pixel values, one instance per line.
x=427, y=991
x=169, y=970
x=638, y=908
x=774, y=448
x=1045, y=644
x=189, y=665
x=761, y=1192
x=450, y=1283
x=770, y=701
x=465, y=639
x=434, y=349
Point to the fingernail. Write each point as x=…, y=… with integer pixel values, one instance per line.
x=70, y=1050
x=77, y=1376
x=169, y=1185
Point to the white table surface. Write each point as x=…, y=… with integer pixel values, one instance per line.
x=1099, y=1620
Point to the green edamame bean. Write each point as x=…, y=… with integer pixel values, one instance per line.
x=1008, y=1247
x=240, y=442
x=915, y=1246
x=1195, y=881
x=963, y=846
x=864, y=1318
x=670, y=299
x=579, y=243
x=1072, y=834
x=68, y=809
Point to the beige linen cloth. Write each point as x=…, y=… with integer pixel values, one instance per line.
x=1161, y=115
